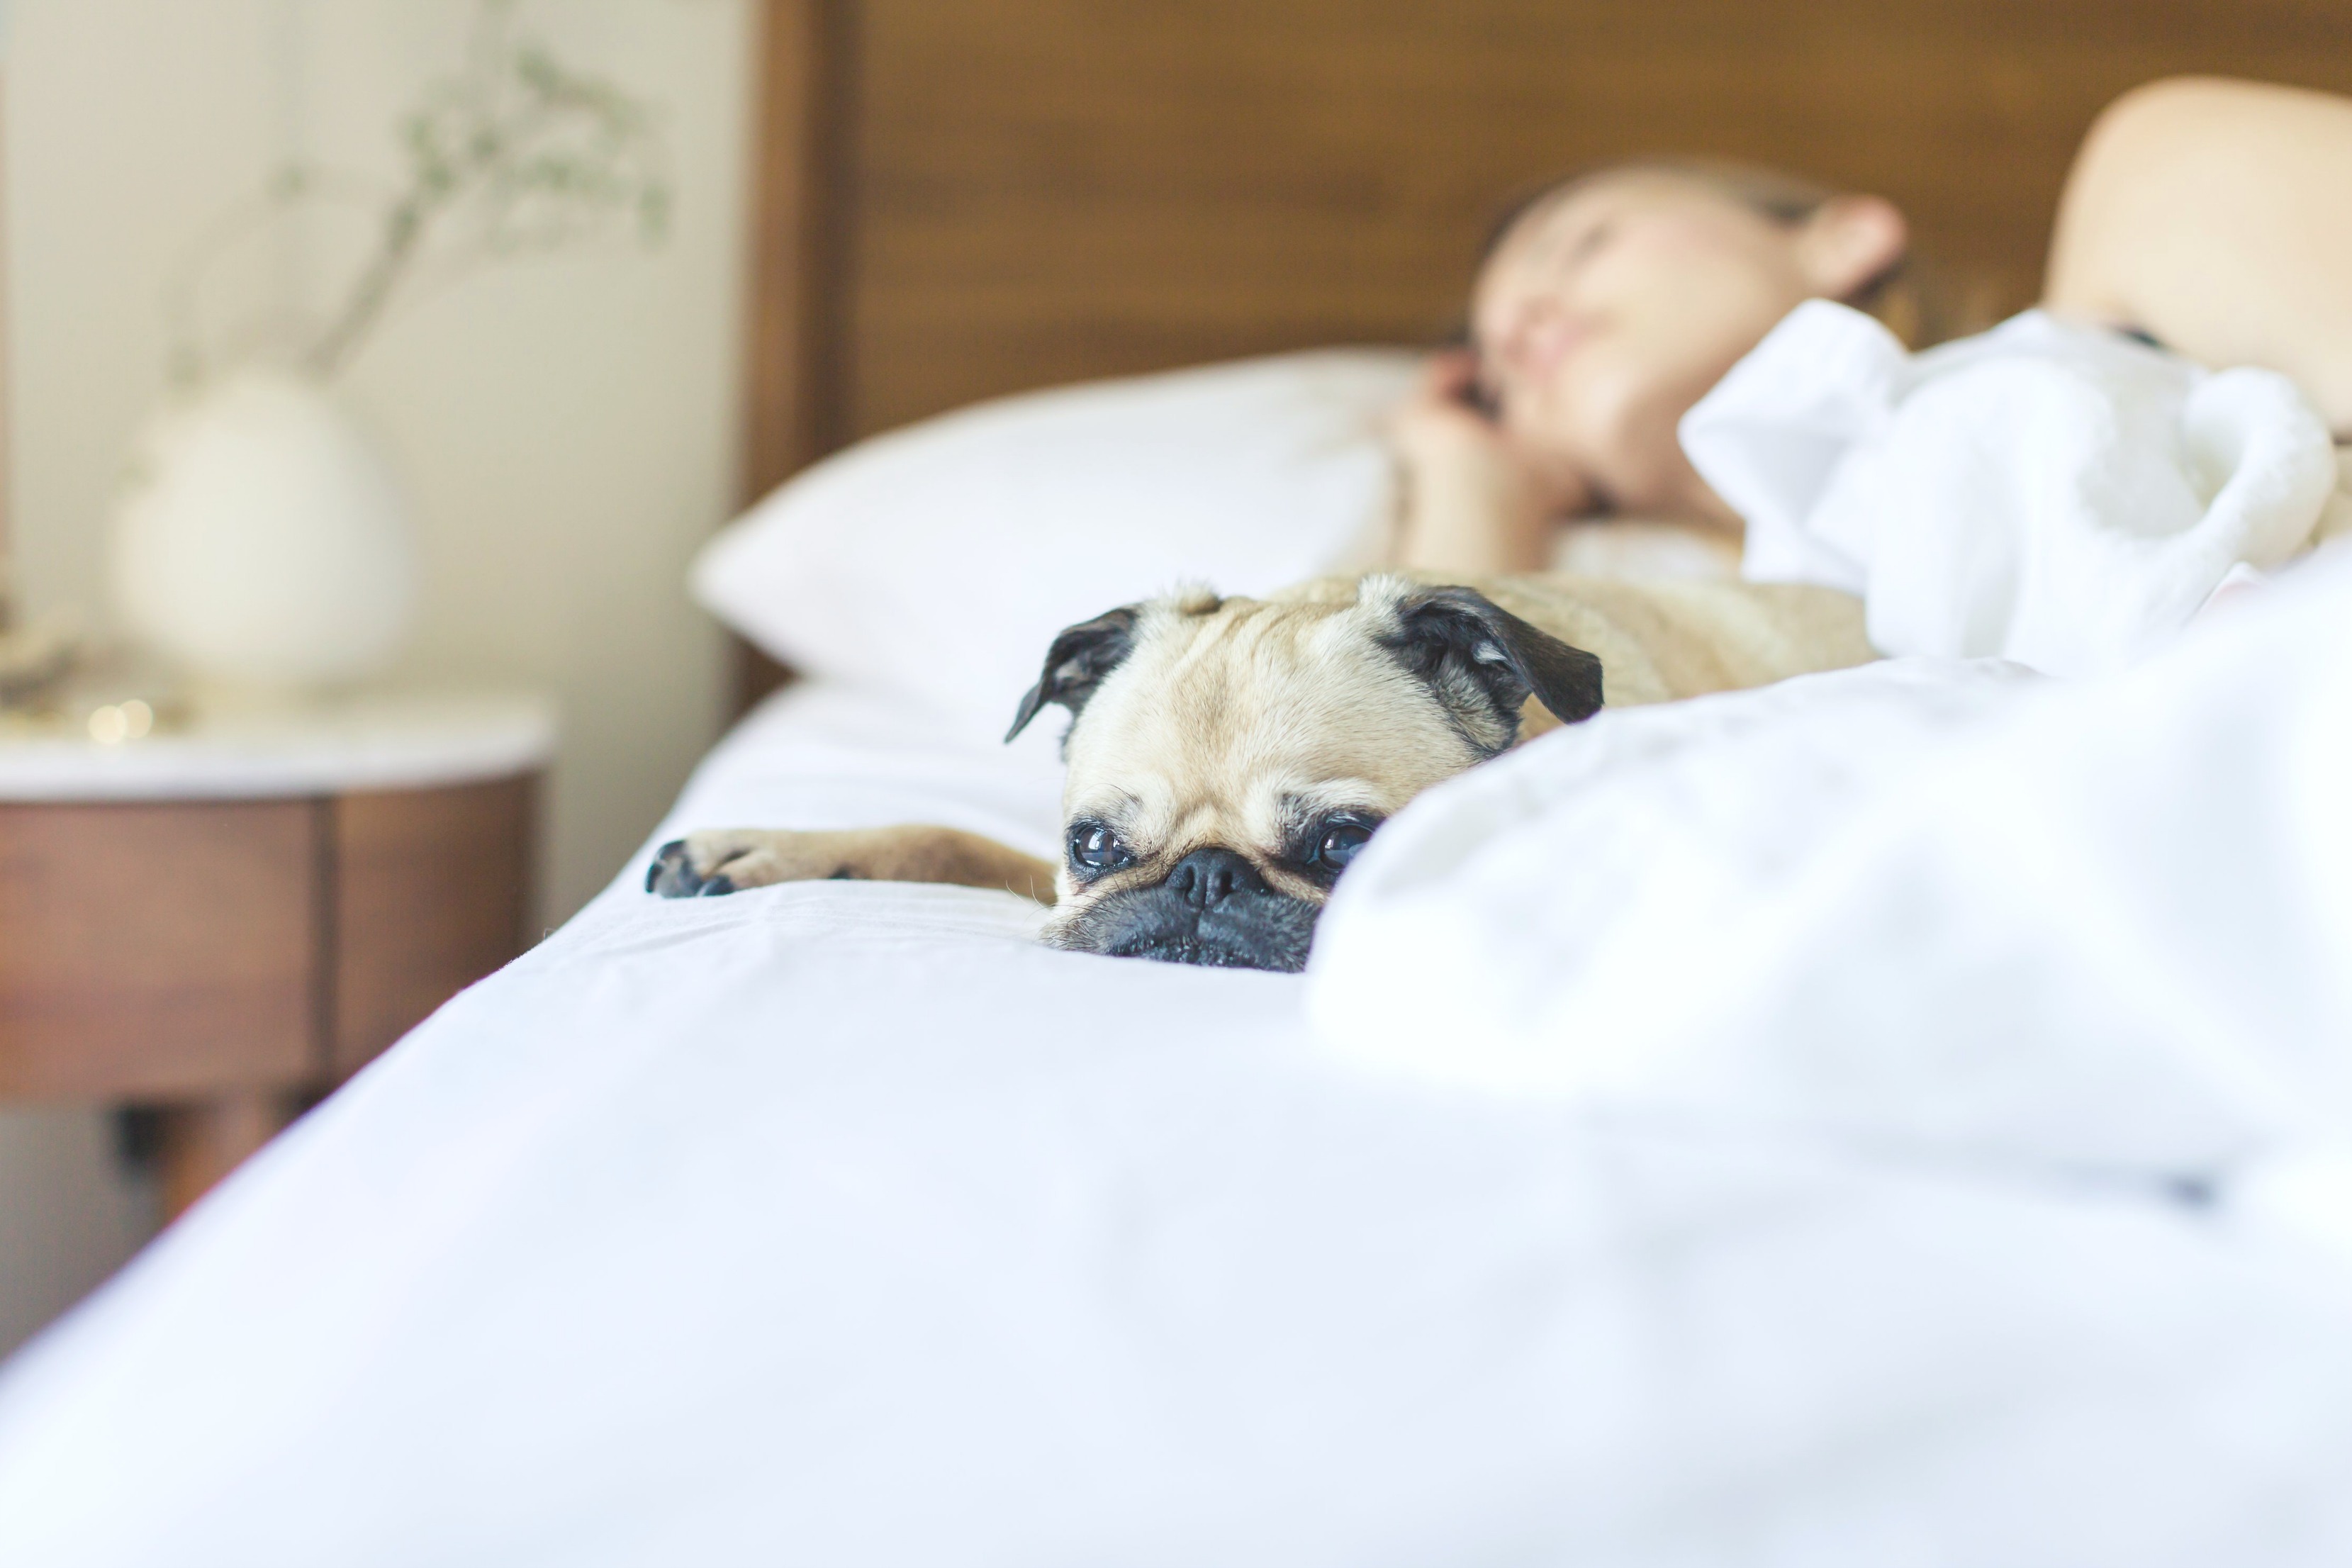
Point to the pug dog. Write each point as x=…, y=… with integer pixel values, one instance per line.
x=1228, y=758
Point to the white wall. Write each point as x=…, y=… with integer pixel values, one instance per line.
x=566, y=426
x=67, y=1214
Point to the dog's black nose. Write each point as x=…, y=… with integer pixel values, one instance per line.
x=1207, y=877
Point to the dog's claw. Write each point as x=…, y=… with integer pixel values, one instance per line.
x=714, y=886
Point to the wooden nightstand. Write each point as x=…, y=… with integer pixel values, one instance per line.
x=226, y=921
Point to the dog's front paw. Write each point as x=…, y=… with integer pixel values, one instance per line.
x=706, y=865
x=726, y=860
x=675, y=875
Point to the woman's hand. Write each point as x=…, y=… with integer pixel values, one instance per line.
x=1472, y=503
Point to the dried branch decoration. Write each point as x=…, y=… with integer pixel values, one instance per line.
x=515, y=155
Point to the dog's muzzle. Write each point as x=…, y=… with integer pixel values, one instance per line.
x=1214, y=909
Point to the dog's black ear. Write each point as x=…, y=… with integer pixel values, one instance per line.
x=1483, y=662
x=1075, y=666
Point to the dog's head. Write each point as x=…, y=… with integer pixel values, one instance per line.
x=1227, y=758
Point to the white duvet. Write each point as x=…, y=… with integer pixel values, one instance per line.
x=1896, y=1120
x=2048, y=491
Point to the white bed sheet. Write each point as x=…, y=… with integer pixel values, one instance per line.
x=843, y=1223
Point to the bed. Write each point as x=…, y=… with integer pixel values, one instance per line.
x=844, y=1223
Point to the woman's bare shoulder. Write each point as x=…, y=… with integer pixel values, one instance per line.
x=2210, y=213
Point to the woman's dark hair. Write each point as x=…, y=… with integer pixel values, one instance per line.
x=1909, y=296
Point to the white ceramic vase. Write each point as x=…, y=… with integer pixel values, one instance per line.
x=260, y=542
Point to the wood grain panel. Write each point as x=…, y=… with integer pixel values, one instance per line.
x=154, y=951
x=794, y=320
x=431, y=892
x=200, y=1141
x=1043, y=190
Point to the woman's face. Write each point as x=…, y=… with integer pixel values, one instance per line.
x=1609, y=311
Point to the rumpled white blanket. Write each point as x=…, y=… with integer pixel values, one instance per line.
x=1941, y=908
x=2046, y=492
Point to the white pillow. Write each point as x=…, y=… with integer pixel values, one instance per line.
x=939, y=561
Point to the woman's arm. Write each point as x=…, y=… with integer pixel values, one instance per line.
x=1472, y=506
x=2217, y=217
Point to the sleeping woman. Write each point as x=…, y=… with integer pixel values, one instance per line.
x=2211, y=217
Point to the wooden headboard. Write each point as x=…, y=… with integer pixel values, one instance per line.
x=959, y=198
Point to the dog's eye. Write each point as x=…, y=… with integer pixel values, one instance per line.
x=1339, y=844
x=1095, y=847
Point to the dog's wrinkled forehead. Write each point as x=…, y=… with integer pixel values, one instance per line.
x=1242, y=709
